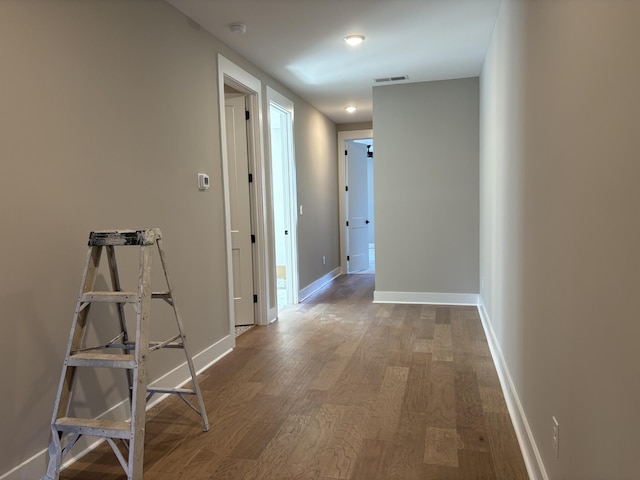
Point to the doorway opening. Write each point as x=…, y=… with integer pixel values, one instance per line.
x=284, y=198
x=357, y=221
x=249, y=281
x=359, y=204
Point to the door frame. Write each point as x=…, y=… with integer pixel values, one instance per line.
x=342, y=203
x=273, y=96
x=231, y=74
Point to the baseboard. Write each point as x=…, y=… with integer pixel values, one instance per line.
x=36, y=466
x=309, y=290
x=530, y=452
x=426, y=298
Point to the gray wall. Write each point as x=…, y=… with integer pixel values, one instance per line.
x=109, y=110
x=317, y=172
x=426, y=187
x=560, y=230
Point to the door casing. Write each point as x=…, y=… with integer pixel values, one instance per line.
x=234, y=76
x=342, y=139
x=283, y=103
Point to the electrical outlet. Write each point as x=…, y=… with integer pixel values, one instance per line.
x=556, y=437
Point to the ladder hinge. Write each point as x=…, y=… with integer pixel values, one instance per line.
x=247, y=115
x=347, y=258
x=253, y=238
x=255, y=299
x=251, y=178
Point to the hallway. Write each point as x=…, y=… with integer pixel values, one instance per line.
x=340, y=388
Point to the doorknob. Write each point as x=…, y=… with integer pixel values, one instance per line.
x=286, y=232
x=367, y=222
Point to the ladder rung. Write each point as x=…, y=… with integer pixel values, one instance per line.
x=104, y=360
x=113, y=297
x=161, y=295
x=97, y=428
x=181, y=391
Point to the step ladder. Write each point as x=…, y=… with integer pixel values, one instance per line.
x=129, y=353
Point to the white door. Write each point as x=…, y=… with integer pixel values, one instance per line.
x=240, y=209
x=284, y=203
x=357, y=207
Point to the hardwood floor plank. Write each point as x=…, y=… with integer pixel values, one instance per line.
x=373, y=460
x=505, y=452
x=469, y=413
x=342, y=434
x=255, y=440
x=386, y=417
x=441, y=407
x=476, y=465
x=441, y=447
x=416, y=397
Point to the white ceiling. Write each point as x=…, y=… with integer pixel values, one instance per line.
x=299, y=43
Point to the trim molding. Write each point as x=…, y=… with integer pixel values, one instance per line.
x=342, y=200
x=528, y=447
x=35, y=466
x=426, y=298
x=312, y=288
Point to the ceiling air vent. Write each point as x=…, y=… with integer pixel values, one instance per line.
x=391, y=79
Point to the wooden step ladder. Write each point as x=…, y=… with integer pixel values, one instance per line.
x=126, y=438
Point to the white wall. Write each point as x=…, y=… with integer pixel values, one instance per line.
x=560, y=228
x=426, y=190
x=109, y=111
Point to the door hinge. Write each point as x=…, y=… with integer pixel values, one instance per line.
x=347, y=258
x=247, y=115
x=255, y=298
x=253, y=238
x=347, y=224
x=346, y=189
x=251, y=178
x=346, y=153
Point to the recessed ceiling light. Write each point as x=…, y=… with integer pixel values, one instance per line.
x=351, y=109
x=238, y=28
x=354, y=40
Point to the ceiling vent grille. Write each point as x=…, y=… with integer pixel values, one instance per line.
x=391, y=79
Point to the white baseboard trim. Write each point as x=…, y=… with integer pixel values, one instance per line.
x=36, y=466
x=530, y=452
x=309, y=290
x=427, y=298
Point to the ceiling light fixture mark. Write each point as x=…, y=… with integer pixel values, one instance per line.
x=238, y=28
x=354, y=40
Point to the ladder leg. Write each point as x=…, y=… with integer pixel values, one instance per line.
x=55, y=457
x=192, y=370
x=136, y=440
x=78, y=330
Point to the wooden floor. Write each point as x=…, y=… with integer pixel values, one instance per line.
x=339, y=388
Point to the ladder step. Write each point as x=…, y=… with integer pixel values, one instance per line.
x=123, y=237
x=181, y=391
x=104, y=360
x=97, y=428
x=161, y=295
x=112, y=297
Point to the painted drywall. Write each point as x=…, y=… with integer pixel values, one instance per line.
x=426, y=187
x=560, y=228
x=349, y=127
x=318, y=227
x=109, y=111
